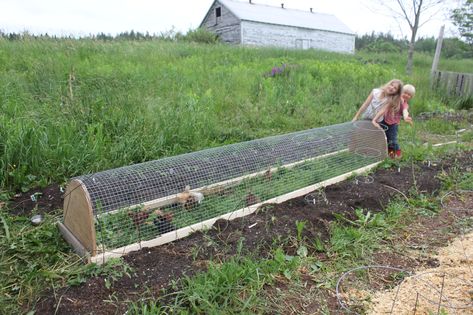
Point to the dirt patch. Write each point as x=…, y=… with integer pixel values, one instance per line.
x=38, y=200
x=272, y=225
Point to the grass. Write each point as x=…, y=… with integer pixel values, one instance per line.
x=31, y=258
x=235, y=286
x=73, y=107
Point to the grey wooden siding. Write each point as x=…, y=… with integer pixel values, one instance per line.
x=227, y=26
x=260, y=34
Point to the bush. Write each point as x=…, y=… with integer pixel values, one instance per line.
x=200, y=35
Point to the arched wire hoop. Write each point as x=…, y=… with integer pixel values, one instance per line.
x=358, y=125
x=368, y=152
x=363, y=179
x=317, y=197
x=340, y=280
x=410, y=276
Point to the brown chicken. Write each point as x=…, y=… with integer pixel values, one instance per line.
x=268, y=175
x=139, y=217
x=251, y=199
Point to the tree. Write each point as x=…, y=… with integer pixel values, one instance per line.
x=463, y=19
x=410, y=11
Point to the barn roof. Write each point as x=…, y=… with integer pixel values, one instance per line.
x=277, y=15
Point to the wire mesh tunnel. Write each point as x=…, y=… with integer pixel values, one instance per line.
x=119, y=210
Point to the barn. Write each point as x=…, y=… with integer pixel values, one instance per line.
x=251, y=24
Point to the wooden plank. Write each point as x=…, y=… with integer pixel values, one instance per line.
x=438, y=49
x=78, y=215
x=79, y=249
x=183, y=232
x=444, y=143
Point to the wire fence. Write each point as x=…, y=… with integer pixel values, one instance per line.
x=110, y=210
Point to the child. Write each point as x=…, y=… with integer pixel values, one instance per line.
x=388, y=94
x=392, y=117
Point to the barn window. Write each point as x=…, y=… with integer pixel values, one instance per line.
x=218, y=12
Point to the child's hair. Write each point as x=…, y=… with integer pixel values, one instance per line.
x=393, y=101
x=409, y=88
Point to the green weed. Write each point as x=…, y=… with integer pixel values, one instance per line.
x=112, y=270
x=234, y=286
x=31, y=258
x=300, y=228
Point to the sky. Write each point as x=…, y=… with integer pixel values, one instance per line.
x=85, y=17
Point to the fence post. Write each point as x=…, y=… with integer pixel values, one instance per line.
x=438, y=49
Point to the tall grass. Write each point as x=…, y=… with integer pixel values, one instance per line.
x=70, y=107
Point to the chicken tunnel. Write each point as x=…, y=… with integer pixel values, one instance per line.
x=113, y=212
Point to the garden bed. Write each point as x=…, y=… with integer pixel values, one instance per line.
x=154, y=269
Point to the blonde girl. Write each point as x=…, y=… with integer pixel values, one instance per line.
x=392, y=117
x=388, y=95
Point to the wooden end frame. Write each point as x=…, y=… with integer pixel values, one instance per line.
x=183, y=232
x=79, y=249
x=78, y=218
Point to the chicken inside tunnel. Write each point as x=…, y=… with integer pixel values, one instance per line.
x=115, y=211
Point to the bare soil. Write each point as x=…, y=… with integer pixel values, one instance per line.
x=274, y=225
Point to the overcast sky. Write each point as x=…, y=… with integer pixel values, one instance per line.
x=84, y=17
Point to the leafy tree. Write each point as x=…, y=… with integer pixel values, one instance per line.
x=463, y=19
x=379, y=42
x=426, y=45
x=455, y=48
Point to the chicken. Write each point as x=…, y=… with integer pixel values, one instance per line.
x=268, y=175
x=251, y=199
x=139, y=217
x=189, y=199
x=162, y=222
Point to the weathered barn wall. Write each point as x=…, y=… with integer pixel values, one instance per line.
x=260, y=34
x=227, y=26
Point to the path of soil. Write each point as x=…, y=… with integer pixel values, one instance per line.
x=154, y=268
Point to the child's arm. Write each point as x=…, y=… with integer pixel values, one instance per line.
x=378, y=115
x=406, y=117
x=363, y=106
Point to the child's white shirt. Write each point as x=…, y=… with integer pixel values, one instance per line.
x=374, y=106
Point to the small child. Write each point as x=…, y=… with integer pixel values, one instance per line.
x=386, y=95
x=392, y=117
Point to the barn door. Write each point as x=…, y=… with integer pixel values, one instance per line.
x=302, y=43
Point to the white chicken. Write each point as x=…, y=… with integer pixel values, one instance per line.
x=189, y=199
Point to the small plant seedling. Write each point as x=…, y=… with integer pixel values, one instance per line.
x=300, y=228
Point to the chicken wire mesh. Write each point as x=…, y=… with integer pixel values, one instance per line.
x=108, y=210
